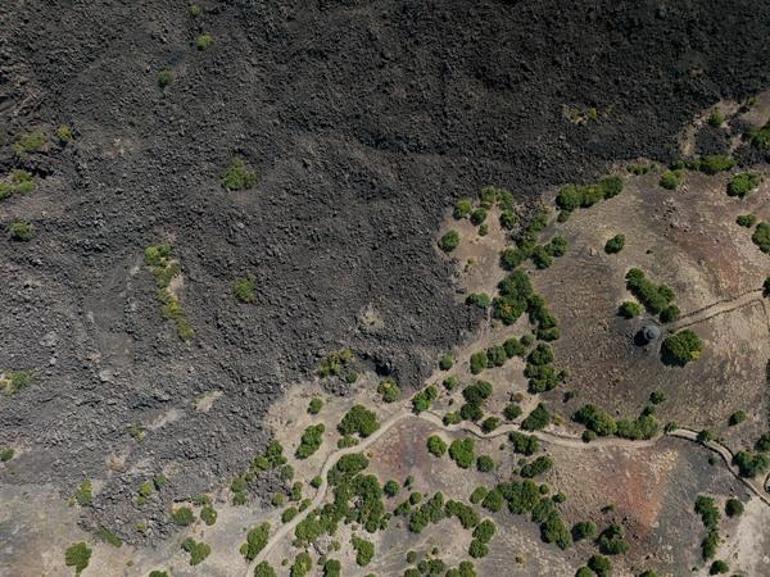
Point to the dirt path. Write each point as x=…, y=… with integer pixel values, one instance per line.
x=550, y=437
x=718, y=308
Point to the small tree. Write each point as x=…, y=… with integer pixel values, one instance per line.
x=77, y=556
x=615, y=244
x=436, y=446
x=681, y=348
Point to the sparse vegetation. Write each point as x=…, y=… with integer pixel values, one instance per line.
x=337, y=364
x=6, y=454
x=30, y=143
x=20, y=182
x=746, y=220
x=208, y=515
x=239, y=176
x=302, y=565
x=84, y=495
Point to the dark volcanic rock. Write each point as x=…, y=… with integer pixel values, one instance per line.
x=365, y=120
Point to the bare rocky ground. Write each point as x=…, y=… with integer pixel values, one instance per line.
x=365, y=121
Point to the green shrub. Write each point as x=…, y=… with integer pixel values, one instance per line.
x=204, y=41
x=478, y=362
x=629, y=309
x=512, y=411
x=315, y=406
x=422, y=400
x=600, y=565
x=256, y=539
x=6, y=454
x=64, y=134
x=364, y=551
x=463, y=208
x=541, y=355
x=539, y=466
x=716, y=118
x=446, y=362
x=436, y=446
x=484, y=464
x=733, y=508
x=523, y=444
x=389, y=390
x=670, y=314
x=481, y=300
x=718, y=567
x=478, y=216
x=165, y=77
x=583, y=530
x=715, y=163
x=750, y=464
x=681, y=348
x=743, y=183
x=21, y=231
x=760, y=138
x=302, y=565
x=21, y=182
x=654, y=297
x=761, y=237
x=671, y=179
x=358, y=420
x=575, y=196
x=332, y=568
x=28, y=143
x=263, y=569
x=208, y=515
x=538, y=419
x=243, y=289
x=612, y=541
x=615, y=244
x=183, y=516
x=736, y=418
x=77, y=556
x=84, y=495
x=449, y=241
x=311, y=440
x=490, y=424
x=461, y=452
x=391, y=488
x=238, y=175
x=746, y=220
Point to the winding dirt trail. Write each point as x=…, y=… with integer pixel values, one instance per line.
x=551, y=437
